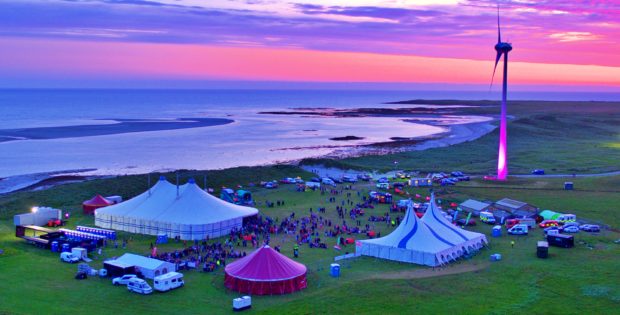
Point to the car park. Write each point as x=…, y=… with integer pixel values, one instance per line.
x=590, y=228
x=548, y=223
x=123, y=279
x=139, y=286
x=69, y=258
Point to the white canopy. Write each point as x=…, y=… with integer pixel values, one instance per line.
x=190, y=213
x=149, y=267
x=418, y=242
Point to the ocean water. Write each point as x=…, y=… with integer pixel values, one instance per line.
x=252, y=139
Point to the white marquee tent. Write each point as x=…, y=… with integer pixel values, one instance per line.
x=419, y=242
x=149, y=267
x=185, y=211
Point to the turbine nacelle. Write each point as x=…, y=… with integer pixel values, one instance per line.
x=503, y=48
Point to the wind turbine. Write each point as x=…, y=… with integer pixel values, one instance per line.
x=502, y=48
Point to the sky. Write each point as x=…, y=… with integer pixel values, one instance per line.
x=567, y=45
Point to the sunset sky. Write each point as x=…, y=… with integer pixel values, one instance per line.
x=140, y=43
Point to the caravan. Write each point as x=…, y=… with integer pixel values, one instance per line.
x=168, y=281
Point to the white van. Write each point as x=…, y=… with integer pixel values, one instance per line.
x=313, y=184
x=68, y=257
x=567, y=218
x=139, y=286
x=519, y=229
x=487, y=217
x=168, y=281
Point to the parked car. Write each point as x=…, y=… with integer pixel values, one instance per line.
x=590, y=228
x=462, y=222
x=552, y=230
x=383, y=180
x=519, y=229
x=548, y=223
x=336, y=180
x=570, y=229
x=68, y=258
x=123, y=280
x=538, y=172
x=349, y=178
x=489, y=177
x=457, y=174
x=139, y=286
x=271, y=185
x=447, y=181
x=328, y=181
x=364, y=177
x=571, y=223
x=383, y=185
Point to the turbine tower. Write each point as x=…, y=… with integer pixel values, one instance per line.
x=502, y=48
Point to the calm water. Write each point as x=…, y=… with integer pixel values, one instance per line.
x=251, y=140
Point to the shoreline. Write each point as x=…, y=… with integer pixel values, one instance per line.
x=454, y=134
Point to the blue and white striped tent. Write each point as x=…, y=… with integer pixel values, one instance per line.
x=432, y=241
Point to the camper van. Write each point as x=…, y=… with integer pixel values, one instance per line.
x=487, y=217
x=139, y=286
x=519, y=229
x=168, y=281
x=567, y=218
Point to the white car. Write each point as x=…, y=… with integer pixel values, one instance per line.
x=123, y=280
x=68, y=257
x=571, y=223
x=571, y=229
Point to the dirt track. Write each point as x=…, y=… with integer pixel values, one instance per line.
x=430, y=272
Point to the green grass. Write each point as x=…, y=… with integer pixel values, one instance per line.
x=560, y=137
x=569, y=281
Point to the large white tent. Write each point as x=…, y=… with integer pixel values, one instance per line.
x=185, y=211
x=467, y=240
x=149, y=267
x=418, y=242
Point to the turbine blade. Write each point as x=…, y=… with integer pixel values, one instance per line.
x=499, y=32
x=497, y=58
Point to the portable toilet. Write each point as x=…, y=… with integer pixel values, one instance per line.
x=54, y=247
x=334, y=270
x=568, y=185
x=65, y=248
x=542, y=249
x=162, y=239
x=496, y=231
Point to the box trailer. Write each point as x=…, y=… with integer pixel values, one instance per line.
x=561, y=240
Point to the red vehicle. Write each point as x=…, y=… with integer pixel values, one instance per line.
x=511, y=222
x=54, y=223
x=548, y=223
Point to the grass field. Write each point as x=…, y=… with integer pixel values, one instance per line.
x=572, y=281
x=560, y=137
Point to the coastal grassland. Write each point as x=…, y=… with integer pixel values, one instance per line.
x=560, y=137
x=572, y=281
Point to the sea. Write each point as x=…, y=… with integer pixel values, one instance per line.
x=251, y=139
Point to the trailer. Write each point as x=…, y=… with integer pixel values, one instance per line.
x=561, y=240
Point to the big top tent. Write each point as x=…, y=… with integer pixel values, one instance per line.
x=186, y=211
x=265, y=272
x=415, y=241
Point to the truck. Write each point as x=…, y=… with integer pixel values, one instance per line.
x=561, y=240
x=531, y=223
